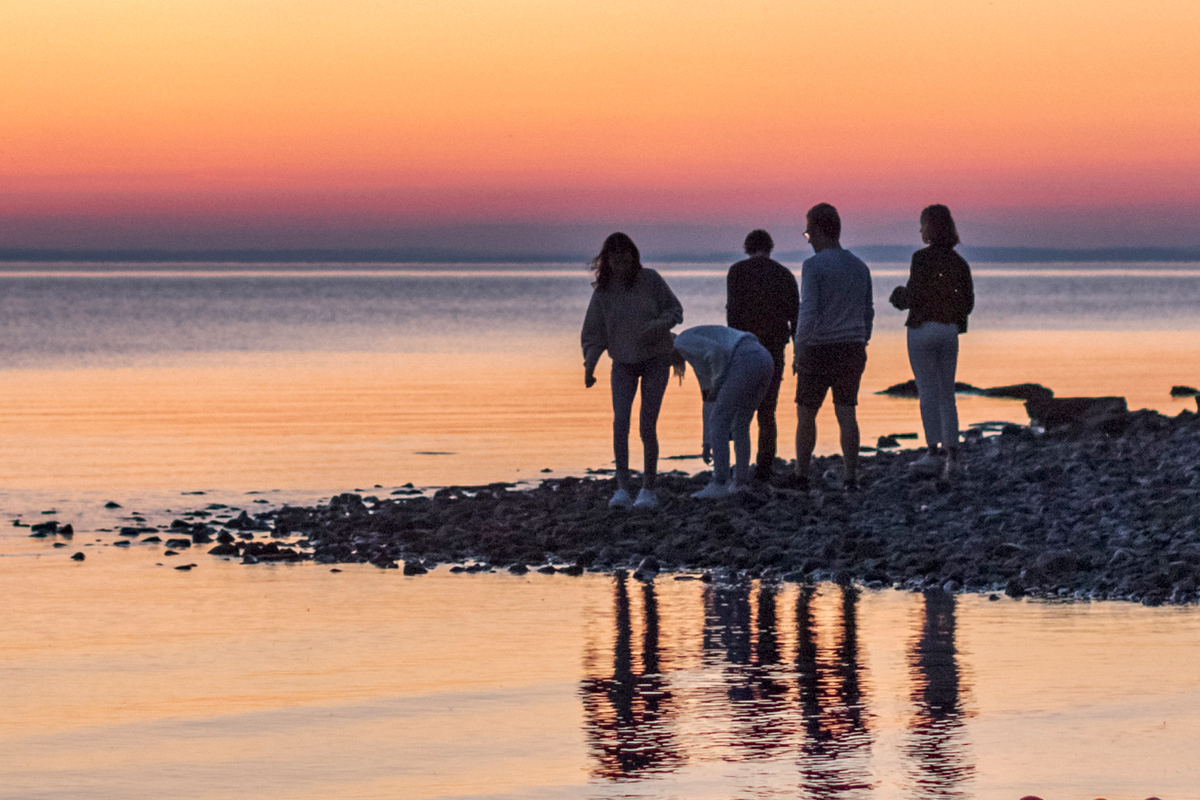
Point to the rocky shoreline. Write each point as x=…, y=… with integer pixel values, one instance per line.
x=1106, y=506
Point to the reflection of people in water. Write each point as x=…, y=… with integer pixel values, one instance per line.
x=628, y=717
x=754, y=679
x=937, y=746
x=835, y=755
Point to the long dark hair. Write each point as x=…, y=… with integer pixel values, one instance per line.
x=939, y=226
x=615, y=243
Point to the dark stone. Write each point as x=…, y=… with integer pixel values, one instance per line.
x=547, y=570
x=165, y=552
x=78, y=557
x=151, y=540
x=67, y=531
x=1057, y=411
x=906, y=389
x=1184, y=391
x=111, y=504
x=1019, y=391
x=224, y=549
x=885, y=442
x=44, y=528
x=225, y=537
x=121, y=543
x=518, y=569
x=414, y=568
x=179, y=544
x=575, y=570
x=185, y=567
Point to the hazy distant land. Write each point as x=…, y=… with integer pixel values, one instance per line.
x=874, y=252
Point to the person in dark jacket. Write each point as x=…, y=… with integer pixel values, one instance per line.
x=939, y=296
x=762, y=298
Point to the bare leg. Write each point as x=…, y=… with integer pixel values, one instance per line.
x=848, y=423
x=806, y=439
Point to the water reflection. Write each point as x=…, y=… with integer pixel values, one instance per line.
x=795, y=705
x=629, y=716
x=834, y=759
x=937, y=746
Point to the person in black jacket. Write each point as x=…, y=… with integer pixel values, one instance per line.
x=762, y=298
x=939, y=297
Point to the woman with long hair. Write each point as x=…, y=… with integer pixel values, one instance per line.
x=939, y=296
x=631, y=315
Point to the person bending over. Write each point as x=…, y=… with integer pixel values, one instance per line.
x=734, y=371
x=630, y=315
x=762, y=298
x=836, y=314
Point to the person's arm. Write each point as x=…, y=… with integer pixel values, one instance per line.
x=733, y=302
x=968, y=286
x=869, y=311
x=670, y=310
x=810, y=301
x=791, y=302
x=594, y=339
x=706, y=412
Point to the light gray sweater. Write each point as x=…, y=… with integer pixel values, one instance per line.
x=835, y=299
x=633, y=324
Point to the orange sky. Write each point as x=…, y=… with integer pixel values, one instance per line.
x=395, y=114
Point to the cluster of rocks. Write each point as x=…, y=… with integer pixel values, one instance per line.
x=1082, y=511
x=1105, y=505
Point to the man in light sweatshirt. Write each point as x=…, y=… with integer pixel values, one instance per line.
x=836, y=314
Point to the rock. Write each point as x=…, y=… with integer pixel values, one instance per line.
x=121, y=543
x=41, y=529
x=1184, y=391
x=887, y=442
x=518, y=569
x=185, y=567
x=414, y=568
x=151, y=540
x=165, y=552
x=179, y=544
x=112, y=504
x=575, y=570
x=1057, y=411
x=906, y=389
x=547, y=570
x=67, y=531
x=78, y=557
x=224, y=549
x=1019, y=391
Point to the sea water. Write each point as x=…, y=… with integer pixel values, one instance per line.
x=166, y=388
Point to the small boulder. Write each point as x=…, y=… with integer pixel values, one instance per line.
x=78, y=557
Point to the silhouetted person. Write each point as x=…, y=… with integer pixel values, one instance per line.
x=630, y=315
x=939, y=296
x=762, y=298
x=836, y=315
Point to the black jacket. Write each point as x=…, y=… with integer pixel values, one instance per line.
x=939, y=289
x=762, y=297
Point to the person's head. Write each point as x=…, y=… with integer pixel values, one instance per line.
x=758, y=243
x=937, y=226
x=619, y=260
x=823, y=226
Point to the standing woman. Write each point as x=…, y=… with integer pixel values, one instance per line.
x=939, y=297
x=631, y=315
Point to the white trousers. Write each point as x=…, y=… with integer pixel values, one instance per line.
x=933, y=354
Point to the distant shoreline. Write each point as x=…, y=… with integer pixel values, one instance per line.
x=881, y=253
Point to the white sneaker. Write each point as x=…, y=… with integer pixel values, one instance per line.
x=927, y=464
x=620, y=499
x=647, y=500
x=713, y=491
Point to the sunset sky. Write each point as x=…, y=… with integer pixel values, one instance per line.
x=364, y=123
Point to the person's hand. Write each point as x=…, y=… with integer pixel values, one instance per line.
x=706, y=454
x=899, y=297
x=589, y=378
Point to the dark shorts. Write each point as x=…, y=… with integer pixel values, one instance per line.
x=823, y=367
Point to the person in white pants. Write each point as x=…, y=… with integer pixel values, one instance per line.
x=734, y=371
x=939, y=296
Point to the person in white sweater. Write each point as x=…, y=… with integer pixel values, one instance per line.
x=630, y=315
x=734, y=371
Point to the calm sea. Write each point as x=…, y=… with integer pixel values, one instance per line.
x=146, y=384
